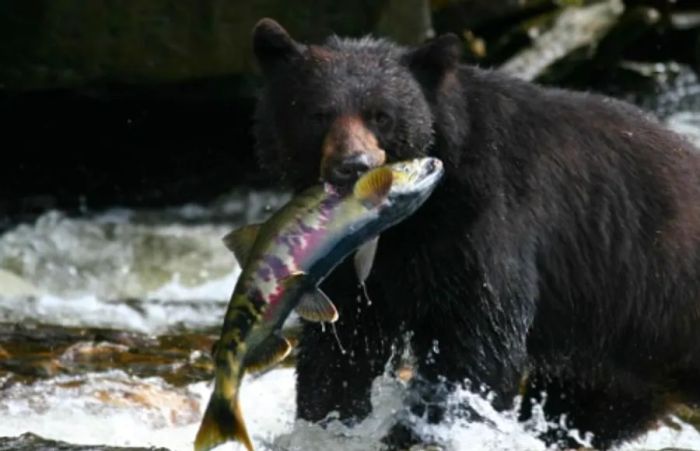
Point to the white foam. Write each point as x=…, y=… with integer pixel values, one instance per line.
x=683, y=436
x=116, y=409
x=686, y=123
x=120, y=410
x=72, y=257
x=148, y=316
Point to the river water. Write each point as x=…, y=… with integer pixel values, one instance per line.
x=166, y=271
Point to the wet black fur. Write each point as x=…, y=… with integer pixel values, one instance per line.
x=563, y=243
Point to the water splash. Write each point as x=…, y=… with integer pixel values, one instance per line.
x=73, y=257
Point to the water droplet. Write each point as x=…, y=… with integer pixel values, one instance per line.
x=337, y=339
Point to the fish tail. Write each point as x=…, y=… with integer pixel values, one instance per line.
x=223, y=421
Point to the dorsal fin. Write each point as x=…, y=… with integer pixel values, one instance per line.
x=240, y=241
x=315, y=306
x=372, y=188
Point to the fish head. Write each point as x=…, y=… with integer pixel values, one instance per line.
x=415, y=178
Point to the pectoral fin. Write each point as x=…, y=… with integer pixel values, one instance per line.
x=315, y=306
x=373, y=187
x=364, y=259
x=240, y=241
x=268, y=353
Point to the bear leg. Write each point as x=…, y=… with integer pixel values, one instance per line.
x=618, y=409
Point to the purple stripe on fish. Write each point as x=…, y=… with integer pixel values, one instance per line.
x=311, y=240
x=303, y=227
x=277, y=266
x=265, y=273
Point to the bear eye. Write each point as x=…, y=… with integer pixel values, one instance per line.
x=322, y=116
x=382, y=119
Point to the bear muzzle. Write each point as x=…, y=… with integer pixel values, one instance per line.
x=349, y=150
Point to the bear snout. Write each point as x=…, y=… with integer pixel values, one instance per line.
x=346, y=170
x=349, y=150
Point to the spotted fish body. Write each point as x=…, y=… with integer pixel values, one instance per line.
x=284, y=260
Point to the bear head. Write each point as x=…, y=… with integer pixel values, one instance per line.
x=333, y=111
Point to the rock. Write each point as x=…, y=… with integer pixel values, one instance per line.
x=32, y=442
x=35, y=352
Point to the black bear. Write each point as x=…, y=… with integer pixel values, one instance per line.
x=560, y=254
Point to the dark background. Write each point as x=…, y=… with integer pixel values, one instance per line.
x=147, y=104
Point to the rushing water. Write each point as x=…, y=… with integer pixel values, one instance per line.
x=167, y=271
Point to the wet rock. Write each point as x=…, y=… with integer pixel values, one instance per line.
x=32, y=442
x=41, y=351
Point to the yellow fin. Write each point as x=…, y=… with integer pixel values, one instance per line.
x=315, y=306
x=373, y=187
x=222, y=422
x=240, y=241
x=268, y=353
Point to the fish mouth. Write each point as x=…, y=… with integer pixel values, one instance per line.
x=428, y=171
x=432, y=174
x=433, y=168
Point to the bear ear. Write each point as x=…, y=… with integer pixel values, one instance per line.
x=436, y=57
x=272, y=44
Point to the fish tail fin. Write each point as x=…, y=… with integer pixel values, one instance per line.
x=222, y=422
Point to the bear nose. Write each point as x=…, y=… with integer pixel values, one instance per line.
x=349, y=169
